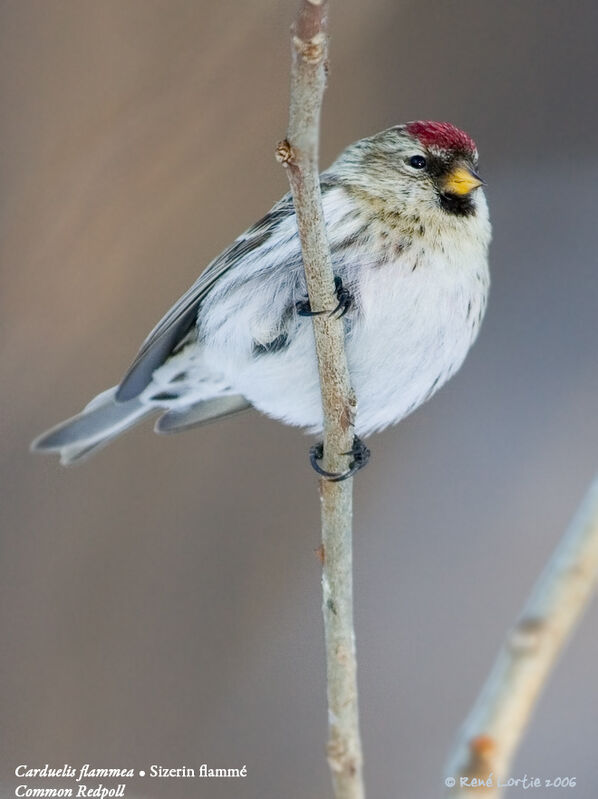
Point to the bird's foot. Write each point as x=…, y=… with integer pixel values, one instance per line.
x=359, y=451
x=345, y=300
x=343, y=295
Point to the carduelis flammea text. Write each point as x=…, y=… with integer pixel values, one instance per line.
x=86, y=771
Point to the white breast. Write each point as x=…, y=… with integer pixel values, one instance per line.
x=421, y=314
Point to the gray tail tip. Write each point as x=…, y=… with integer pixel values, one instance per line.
x=47, y=445
x=70, y=454
x=56, y=438
x=43, y=443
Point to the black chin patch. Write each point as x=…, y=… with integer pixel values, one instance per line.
x=457, y=204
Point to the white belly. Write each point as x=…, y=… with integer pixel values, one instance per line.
x=412, y=333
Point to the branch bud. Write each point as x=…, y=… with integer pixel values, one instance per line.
x=311, y=51
x=284, y=153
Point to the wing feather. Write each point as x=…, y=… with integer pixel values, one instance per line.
x=182, y=317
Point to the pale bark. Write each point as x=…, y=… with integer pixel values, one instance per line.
x=490, y=736
x=299, y=154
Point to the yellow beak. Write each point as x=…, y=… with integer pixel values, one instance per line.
x=461, y=180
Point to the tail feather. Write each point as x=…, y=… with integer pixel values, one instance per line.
x=101, y=421
x=105, y=418
x=200, y=413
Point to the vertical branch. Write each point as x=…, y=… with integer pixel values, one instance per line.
x=493, y=730
x=299, y=154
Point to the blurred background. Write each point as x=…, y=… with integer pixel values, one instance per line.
x=161, y=603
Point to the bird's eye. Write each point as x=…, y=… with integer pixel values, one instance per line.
x=417, y=162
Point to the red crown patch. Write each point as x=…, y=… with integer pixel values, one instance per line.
x=442, y=135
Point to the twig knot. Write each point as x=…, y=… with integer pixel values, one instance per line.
x=284, y=153
x=311, y=51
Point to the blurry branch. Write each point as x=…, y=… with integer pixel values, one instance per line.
x=493, y=730
x=299, y=154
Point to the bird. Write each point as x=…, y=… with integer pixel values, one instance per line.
x=408, y=227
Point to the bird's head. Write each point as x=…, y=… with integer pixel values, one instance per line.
x=424, y=168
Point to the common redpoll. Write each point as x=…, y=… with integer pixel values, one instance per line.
x=409, y=232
